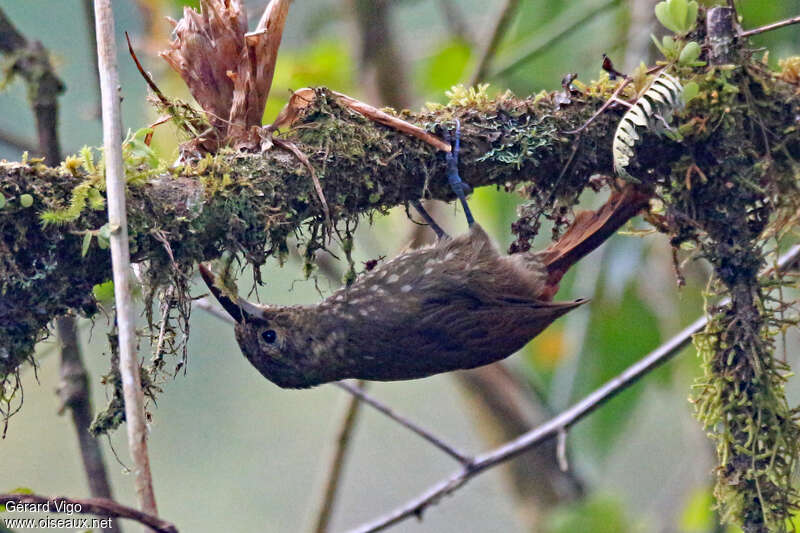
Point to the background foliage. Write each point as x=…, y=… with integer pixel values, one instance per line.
x=232, y=452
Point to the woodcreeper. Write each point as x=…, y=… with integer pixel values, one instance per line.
x=452, y=305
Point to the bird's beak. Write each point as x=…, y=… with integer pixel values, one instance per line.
x=240, y=310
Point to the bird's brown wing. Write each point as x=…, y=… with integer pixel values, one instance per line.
x=487, y=327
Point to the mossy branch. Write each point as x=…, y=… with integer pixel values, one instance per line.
x=248, y=204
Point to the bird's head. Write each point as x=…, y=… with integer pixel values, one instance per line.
x=267, y=336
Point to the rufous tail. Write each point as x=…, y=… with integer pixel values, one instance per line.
x=591, y=229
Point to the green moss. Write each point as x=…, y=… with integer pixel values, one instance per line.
x=727, y=198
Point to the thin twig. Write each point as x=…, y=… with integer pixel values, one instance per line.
x=88, y=10
x=381, y=117
x=613, y=98
x=16, y=142
x=504, y=406
x=549, y=429
x=303, y=158
x=489, y=49
x=74, y=392
x=554, y=426
x=405, y=422
x=770, y=27
x=120, y=256
x=570, y=21
x=214, y=310
x=333, y=474
x=95, y=506
x=32, y=63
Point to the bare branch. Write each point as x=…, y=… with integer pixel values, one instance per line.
x=505, y=407
x=207, y=305
x=95, y=506
x=120, y=256
x=333, y=474
x=88, y=9
x=556, y=425
x=403, y=421
x=770, y=27
x=33, y=64
x=16, y=141
x=74, y=393
x=720, y=25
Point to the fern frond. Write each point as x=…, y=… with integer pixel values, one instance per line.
x=651, y=111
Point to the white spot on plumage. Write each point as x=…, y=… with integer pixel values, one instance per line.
x=393, y=278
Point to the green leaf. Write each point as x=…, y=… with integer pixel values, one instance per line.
x=105, y=231
x=137, y=151
x=691, y=15
x=104, y=292
x=87, y=242
x=690, y=53
x=690, y=90
x=677, y=11
x=26, y=200
x=2, y=201
x=104, y=236
x=665, y=17
x=670, y=46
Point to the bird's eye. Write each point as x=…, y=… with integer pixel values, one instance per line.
x=269, y=336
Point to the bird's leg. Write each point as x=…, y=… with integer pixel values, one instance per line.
x=458, y=186
x=437, y=229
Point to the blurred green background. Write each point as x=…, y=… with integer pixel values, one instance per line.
x=232, y=452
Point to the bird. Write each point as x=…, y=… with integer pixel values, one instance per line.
x=608, y=66
x=456, y=304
